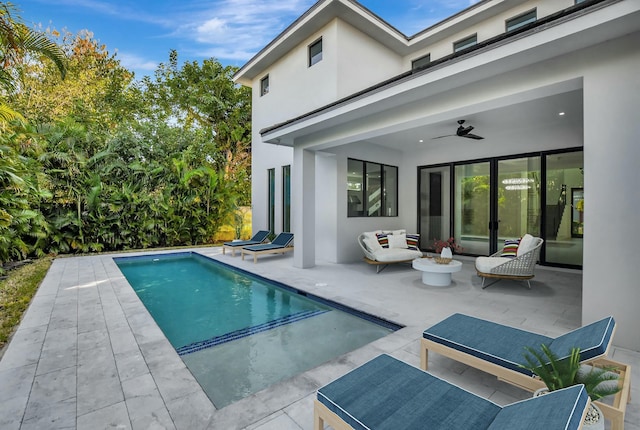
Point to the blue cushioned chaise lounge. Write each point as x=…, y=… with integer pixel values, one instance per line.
x=499, y=350
x=257, y=238
x=387, y=394
x=281, y=244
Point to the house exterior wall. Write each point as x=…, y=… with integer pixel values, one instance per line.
x=604, y=76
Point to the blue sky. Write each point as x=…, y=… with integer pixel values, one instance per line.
x=142, y=32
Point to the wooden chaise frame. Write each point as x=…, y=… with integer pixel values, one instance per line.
x=614, y=412
x=266, y=251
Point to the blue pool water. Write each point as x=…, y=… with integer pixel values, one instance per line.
x=239, y=333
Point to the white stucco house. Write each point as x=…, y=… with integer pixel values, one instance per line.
x=357, y=127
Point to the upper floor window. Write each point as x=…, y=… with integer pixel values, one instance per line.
x=521, y=20
x=465, y=43
x=264, y=85
x=315, y=52
x=372, y=189
x=579, y=1
x=421, y=62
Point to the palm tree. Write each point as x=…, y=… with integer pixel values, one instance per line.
x=16, y=42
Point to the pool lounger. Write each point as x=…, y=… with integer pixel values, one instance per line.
x=499, y=350
x=386, y=393
x=257, y=239
x=281, y=244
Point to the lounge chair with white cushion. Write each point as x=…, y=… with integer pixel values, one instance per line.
x=386, y=394
x=281, y=244
x=257, y=239
x=499, y=350
x=519, y=268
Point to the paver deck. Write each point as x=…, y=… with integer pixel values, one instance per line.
x=88, y=355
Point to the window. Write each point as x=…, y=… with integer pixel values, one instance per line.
x=421, y=62
x=264, y=86
x=315, y=52
x=286, y=198
x=521, y=20
x=579, y=1
x=372, y=189
x=271, y=206
x=465, y=43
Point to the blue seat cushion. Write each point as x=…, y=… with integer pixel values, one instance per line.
x=242, y=243
x=489, y=341
x=387, y=394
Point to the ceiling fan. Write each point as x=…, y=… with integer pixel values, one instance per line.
x=462, y=131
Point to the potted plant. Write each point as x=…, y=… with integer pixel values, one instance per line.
x=557, y=374
x=439, y=245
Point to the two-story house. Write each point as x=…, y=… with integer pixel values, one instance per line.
x=358, y=127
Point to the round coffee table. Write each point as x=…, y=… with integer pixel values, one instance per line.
x=434, y=274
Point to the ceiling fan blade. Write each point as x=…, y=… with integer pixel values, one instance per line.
x=440, y=137
x=473, y=136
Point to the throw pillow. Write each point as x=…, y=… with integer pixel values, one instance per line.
x=510, y=249
x=412, y=241
x=397, y=241
x=526, y=244
x=372, y=244
x=383, y=240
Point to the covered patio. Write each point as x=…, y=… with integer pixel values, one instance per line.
x=88, y=355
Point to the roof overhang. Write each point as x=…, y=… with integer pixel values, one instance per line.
x=604, y=21
x=361, y=18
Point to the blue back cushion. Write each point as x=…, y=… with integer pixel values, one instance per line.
x=561, y=409
x=260, y=236
x=283, y=239
x=592, y=339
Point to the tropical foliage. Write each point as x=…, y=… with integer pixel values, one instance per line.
x=556, y=374
x=93, y=160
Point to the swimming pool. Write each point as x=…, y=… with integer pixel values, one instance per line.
x=239, y=333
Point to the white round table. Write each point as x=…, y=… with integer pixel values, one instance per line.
x=434, y=274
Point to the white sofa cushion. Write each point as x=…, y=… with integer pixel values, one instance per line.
x=390, y=255
x=527, y=243
x=398, y=241
x=485, y=264
x=372, y=244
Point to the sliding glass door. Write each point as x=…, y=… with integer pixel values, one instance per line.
x=472, y=207
x=518, y=200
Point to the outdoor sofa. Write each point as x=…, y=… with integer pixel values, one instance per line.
x=381, y=248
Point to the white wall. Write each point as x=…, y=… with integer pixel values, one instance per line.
x=611, y=156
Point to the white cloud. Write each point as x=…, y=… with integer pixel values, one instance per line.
x=135, y=62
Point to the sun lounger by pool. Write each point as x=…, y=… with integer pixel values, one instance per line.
x=386, y=393
x=281, y=244
x=499, y=350
x=257, y=239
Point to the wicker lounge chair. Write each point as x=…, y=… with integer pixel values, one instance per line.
x=519, y=268
x=386, y=393
x=257, y=239
x=281, y=244
x=499, y=350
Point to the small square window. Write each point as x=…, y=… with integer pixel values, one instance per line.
x=421, y=62
x=521, y=20
x=315, y=52
x=264, y=85
x=465, y=43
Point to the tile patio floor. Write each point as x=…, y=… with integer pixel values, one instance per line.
x=87, y=355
